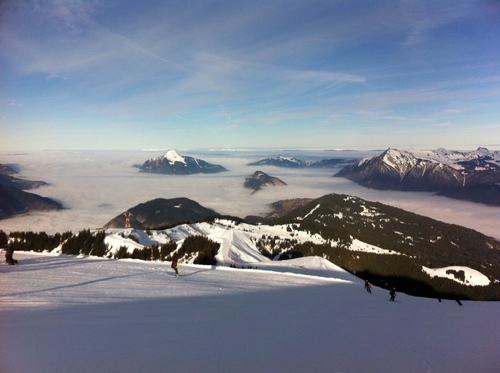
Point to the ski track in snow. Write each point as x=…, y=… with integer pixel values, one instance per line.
x=62, y=313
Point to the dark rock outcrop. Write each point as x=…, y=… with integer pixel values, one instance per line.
x=260, y=179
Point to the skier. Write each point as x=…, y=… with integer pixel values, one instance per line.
x=368, y=287
x=9, y=252
x=393, y=294
x=174, y=265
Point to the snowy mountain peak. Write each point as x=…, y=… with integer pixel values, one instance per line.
x=173, y=164
x=462, y=161
x=472, y=176
x=172, y=156
x=399, y=160
x=290, y=159
x=280, y=161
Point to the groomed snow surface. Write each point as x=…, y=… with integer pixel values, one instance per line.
x=62, y=313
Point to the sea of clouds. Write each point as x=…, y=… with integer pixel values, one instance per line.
x=96, y=186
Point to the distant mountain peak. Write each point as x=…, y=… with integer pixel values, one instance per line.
x=471, y=176
x=260, y=179
x=292, y=162
x=171, y=163
x=281, y=161
x=172, y=156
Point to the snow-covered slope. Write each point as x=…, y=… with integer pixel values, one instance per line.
x=238, y=245
x=480, y=159
x=287, y=162
x=464, y=275
x=63, y=314
x=473, y=176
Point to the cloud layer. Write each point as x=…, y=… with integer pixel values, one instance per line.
x=96, y=186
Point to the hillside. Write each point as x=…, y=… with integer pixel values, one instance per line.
x=86, y=314
x=391, y=248
x=472, y=176
x=171, y=163
x=162, y=212
x=292, y=162
x=259, y=180
x=6, y=179
x=15, y=200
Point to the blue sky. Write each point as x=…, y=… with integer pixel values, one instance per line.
x=241, y=74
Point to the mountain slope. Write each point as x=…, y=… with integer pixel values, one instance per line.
x=260, y=179
x=133, y=316
x=173, y=164
x=454, y=174
x=287, y=162
x=333, y=225
x=14, y=201
x=342, y=218
x=389, y=246
x=162, y=212
x=292, y=162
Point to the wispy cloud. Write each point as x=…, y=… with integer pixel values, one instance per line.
x=279, y=63
x=424, y=17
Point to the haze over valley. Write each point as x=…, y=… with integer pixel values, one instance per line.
x=95, y=186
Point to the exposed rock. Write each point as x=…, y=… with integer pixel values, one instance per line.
x=260, y=179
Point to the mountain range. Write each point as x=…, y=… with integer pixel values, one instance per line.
x=473, y=176
x=292, y=162
x=13, y=198
x=171, y=163
x=376, y=241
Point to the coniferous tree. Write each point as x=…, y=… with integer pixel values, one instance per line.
x=3, y=239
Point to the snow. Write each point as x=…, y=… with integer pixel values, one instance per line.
x=173, y=157
x=238, y=244
x=367, y=212
x=289, y=159
x=84, y=314
x=396, y=158
x=472, y=277
x=309, y=213
x=358, y=245
x=451, y=158
x=403, y=160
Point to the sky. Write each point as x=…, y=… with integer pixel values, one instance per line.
x=88, y=314
x=233, y=74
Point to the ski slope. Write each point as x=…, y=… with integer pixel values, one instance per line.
x=62, y=313
x=238, y=244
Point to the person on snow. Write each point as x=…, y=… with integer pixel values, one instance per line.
x=9, y=255
x=393, y=294
x=368, y=287
x=174, y=265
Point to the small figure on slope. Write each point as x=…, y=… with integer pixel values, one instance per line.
x=368, y=287
x=9, y=255
x=393, y=294
x=175, y=265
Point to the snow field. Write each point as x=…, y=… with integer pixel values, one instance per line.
x=61, y=313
